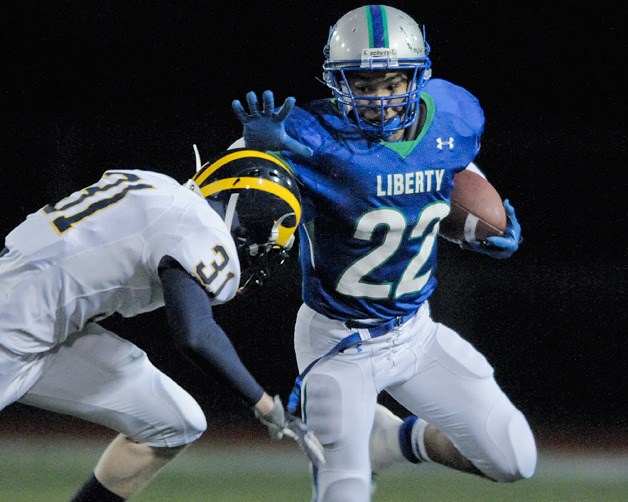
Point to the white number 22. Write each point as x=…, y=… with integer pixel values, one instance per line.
x=352, y=282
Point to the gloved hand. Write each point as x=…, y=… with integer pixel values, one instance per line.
x=502, y=246
x=266, y=130
x=281, y=423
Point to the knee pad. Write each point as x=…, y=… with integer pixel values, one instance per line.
x=509, y=430
x=323, y=407
x=162, y=414
x=525, y=450
x=345, y=490
x=181, y=419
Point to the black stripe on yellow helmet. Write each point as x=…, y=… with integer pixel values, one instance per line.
x=252, y=183
x=235, y=155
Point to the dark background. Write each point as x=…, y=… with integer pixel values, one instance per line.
x=89, y=86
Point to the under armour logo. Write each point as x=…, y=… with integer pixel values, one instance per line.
x=440, y=143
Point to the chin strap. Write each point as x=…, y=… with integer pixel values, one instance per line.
x=411, y=132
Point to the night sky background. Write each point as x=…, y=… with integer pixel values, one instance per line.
x=90, y=86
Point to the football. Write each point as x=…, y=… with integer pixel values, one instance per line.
x=477, y=210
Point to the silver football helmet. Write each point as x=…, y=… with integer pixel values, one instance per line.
x=377, y=37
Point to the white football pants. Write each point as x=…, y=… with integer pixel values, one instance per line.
x=430, y=370
x=102, y=378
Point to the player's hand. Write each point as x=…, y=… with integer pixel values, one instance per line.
x=298, y=430
x=265, y=130
x=281, y=423
x=502, y=246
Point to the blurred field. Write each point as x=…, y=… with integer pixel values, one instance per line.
x=38, y=468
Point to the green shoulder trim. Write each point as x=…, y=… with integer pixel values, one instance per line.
x=403, y=148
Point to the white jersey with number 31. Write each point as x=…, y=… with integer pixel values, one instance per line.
x=96, y=253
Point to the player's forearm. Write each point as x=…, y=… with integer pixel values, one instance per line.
x=217, y=357
x=198, y=336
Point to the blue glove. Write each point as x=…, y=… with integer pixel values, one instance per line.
x=266, y=130
x=502, y=246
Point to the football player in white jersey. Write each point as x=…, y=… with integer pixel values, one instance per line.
x=132, y=242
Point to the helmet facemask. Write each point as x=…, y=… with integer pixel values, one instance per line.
x=259, y=251
x=353, y=105
x=259, y=268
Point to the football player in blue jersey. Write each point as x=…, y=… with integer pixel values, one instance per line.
x=368, y=258
x=130, y=243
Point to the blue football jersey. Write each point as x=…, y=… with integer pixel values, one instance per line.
x=371, y=210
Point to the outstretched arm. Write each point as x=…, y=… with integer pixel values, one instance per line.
x=203, y=341
x=265, y=130
x=197, y=335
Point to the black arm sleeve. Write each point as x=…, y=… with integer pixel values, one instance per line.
x=197, y=335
